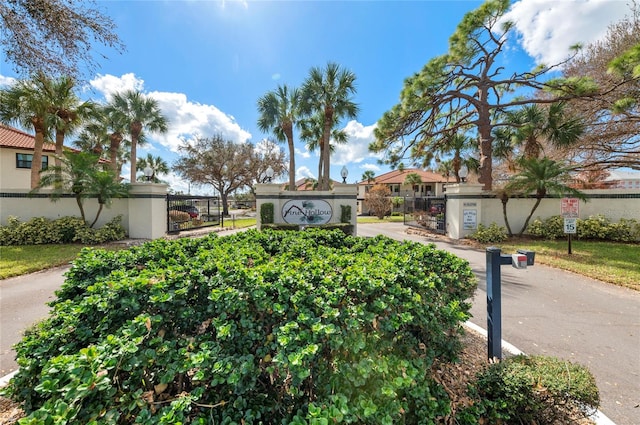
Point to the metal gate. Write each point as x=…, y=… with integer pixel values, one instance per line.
x=427, y=213
x=188, y=212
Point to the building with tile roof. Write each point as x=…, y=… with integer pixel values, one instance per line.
x=16, y=151
x=432, y=185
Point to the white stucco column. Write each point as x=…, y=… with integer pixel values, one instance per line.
x=464, y=209
x=147, y=211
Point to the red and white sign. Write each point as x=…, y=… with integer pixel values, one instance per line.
x=570, y=207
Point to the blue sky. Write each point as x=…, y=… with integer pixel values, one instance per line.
x=208, y=62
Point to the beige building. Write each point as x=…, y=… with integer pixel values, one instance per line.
x=432, y=184
x=16, y=152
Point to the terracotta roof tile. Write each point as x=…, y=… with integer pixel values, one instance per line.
x=398, y=177
x=13, y=138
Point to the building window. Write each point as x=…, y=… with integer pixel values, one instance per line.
x=23, y=160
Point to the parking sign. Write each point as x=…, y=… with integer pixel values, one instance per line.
x=570, y=207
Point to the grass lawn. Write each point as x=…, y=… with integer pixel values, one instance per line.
x=18, y=260
x=607, y=261
x=374, y=219
x=240, y=223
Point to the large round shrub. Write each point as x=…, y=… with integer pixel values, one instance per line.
x=270, y=327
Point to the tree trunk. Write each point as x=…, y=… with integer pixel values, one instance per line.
x=288, y=131
x=526, y=222
x=136, y=130
x=81, y=207
x=36, y=159
x=59, y=145
x=485, y=170
x=505, y=198
x=225, y=208
x=97, y=215
x=114, y=146
x=326, y=137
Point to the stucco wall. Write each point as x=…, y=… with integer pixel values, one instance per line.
x=144, y=213
x=613, y=204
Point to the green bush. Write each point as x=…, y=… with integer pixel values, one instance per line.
x=269, y=327
x=551, y=228
x=267, y=213
x=491, y=234
x=345, y=213
x=40, y=231
x=596, y=227
x=531, y=389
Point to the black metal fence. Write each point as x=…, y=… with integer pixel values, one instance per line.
x=428, y=213
x=188, y=212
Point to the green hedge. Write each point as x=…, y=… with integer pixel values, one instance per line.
x=40, y=231
x=269, y=327
x=595, y=227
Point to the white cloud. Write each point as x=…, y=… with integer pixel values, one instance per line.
x=107, y=85
x=549, y=28
x=303, y=153
x=369, y=166
x=186, y=119
x=303, y=173
x=6, y=81
x=356, y=149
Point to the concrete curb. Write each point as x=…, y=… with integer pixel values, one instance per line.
x=599, y=418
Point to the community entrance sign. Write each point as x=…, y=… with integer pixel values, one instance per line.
x=307, y=211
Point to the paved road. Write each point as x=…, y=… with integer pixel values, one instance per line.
x=545, y=311
x=552, y=312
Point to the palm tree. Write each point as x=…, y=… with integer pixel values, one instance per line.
x=104, y=187
x=140, y=112
x=414, y=180
x=368, y=176
x=445, y=168
x=26, y=104
x=542, y=176
x=157, y=164
x=72, y=175
x=279, y=112
x=328, y=92
x=532, y=125
x=311, y=129
x=67, y=111
x=112, y=121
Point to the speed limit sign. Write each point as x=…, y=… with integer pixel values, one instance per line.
x=570, y=225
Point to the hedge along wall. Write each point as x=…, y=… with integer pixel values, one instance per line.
x=613, y=204
x=144, y=213
x=339, y=198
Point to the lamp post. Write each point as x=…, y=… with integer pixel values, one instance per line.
x=269, y=173
x=344, y=173
x=148, y=172
x=463, y=173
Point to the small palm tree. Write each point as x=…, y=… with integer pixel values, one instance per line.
x=104, y=187
x=72, y=175
x=140, y=112
x=279, y=111
x=328, y=92
x=543, y=177
x=368, y=176
x=157, y=164
x=414, y=180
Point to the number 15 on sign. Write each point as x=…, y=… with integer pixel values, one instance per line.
x=570, y=225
